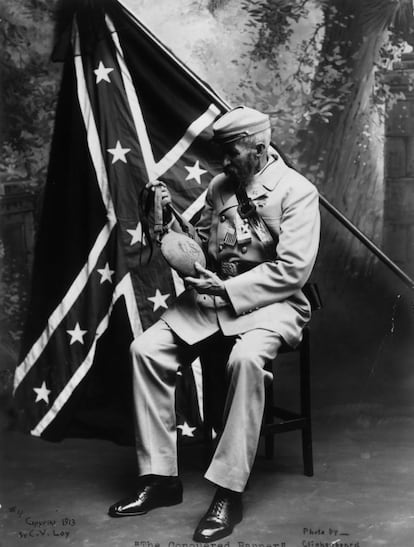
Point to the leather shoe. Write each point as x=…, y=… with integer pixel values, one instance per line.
x=154, y=491
x=224, y=513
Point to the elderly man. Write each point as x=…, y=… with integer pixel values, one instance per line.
x=260, y=231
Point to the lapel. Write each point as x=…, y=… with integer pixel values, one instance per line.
x=264, y=182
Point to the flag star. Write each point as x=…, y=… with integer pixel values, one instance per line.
x=42, y=393
x=118, y=152
x=195, y=172
x=186, y=430
x=102, y=73
x=106, y=273
x=159, y=300
x=76, y=334
x=137, y=235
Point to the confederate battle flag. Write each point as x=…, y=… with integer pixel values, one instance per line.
x=128, y=112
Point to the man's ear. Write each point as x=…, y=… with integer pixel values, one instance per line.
x=260, y=148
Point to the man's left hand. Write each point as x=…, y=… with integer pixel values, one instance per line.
x=207, y=283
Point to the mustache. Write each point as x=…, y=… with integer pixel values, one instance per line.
x=244, y=173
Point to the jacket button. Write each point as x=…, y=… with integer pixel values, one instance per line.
x=222, y=218
x=244, y=250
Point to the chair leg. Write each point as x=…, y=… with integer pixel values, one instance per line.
x=269, y=447
x=307, y=451
x=268, y=419
x=207, y=424
x=305, y=400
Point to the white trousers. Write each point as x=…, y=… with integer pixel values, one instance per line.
x=156, y=356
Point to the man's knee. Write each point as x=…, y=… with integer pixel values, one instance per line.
x=244, y=359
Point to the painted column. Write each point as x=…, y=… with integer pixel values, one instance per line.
x=398, y=236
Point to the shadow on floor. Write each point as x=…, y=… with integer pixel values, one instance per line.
x=362, y=493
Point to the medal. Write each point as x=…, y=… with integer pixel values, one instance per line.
x=243, y=232
x=230, y=237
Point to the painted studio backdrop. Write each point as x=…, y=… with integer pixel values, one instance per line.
x=118, y=105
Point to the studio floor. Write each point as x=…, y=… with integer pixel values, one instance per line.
x=362, y=492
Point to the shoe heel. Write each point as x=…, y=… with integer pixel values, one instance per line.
x=173, y=497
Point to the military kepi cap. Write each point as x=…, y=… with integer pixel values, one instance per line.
x=240, y=122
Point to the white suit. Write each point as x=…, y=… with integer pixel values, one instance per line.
x=266, y=307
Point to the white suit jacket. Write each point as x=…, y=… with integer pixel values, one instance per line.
x=268, y=296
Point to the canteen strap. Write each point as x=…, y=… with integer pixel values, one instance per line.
x=183, y=225
x=159, y=227
x=158, y=214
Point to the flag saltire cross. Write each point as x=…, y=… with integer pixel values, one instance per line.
x=127, y=113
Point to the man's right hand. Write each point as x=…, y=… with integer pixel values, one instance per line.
x=165, y=193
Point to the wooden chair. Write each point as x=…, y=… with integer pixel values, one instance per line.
x=280, y=420
x=275, y=419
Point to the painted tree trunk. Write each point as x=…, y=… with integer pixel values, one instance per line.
x=348, y=150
